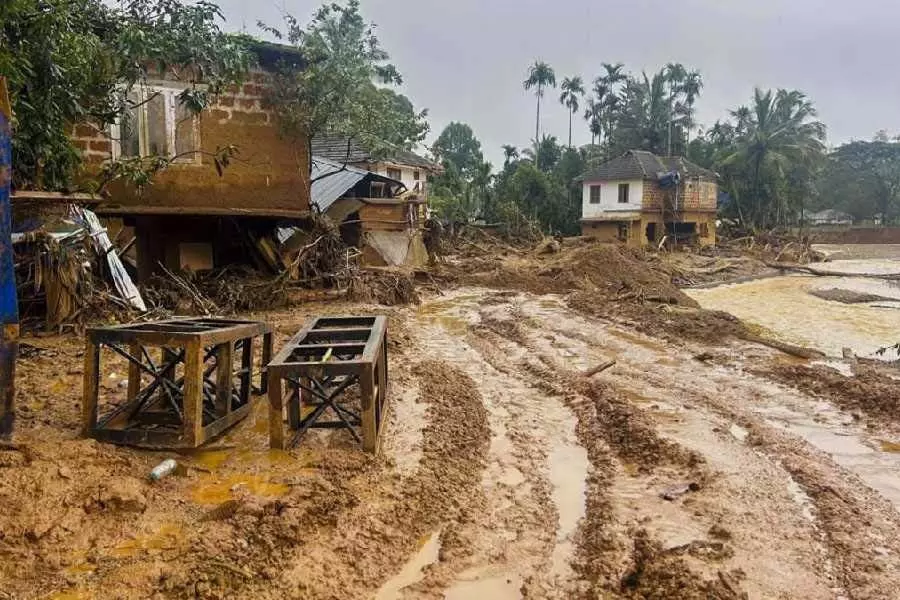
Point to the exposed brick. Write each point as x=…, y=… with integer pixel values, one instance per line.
x=86, y=130
x=101, y=146
x=226, y=101
x=80, y=145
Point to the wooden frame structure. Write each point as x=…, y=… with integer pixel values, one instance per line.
x=319, y=365
x=192, y=394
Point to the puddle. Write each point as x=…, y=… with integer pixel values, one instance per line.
x=495, y=588
x=168, y=537
x=412, y=572
x=216, y=490
x=889, y=447
x=568, y=475
x=876, y=467
x=799, y=495
x=70, y=595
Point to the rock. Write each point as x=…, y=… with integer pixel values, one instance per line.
x=675, y=492
x=120, y=495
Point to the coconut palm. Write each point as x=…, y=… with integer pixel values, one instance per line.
x=607, y=89
x=593, y=114
x=510, y=153
x=572, y=91
x=540, y=76
x=781, y=135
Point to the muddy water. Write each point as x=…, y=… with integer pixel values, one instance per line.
x=784, y=307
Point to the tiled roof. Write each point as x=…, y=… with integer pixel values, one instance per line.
x=640, y=164
x=336, y=148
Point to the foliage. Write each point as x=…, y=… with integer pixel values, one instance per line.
x=572, y=92
x=768, y=156
x=71, y=61
x=863, y=180
x=337, y=92
x=458, y=146
x=540, y=76
x=462, y=191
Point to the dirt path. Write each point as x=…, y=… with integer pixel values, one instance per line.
x=505, y=474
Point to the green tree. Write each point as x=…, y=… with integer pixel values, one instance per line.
x=572, y=92
x=863, y=179
x=339, y=92
x=540, y=76
x=510, y=153
x=780, y=137
x=458, y=146
x=74, y=61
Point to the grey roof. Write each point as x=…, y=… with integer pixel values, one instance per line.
x=336, y=148
x=640, y=164
x=332, y=180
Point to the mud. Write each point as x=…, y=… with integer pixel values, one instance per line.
x=505, y=473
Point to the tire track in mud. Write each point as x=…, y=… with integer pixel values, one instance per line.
x=519, y=544
x=613, y=557
x=858, y=527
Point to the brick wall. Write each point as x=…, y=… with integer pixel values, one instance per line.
x=692, y=195
x=269, y=171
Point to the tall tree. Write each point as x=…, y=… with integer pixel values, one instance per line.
x=782, y=135
x=339, y=91
x=458, y=146
x=607, y=90
x=540, y=76
x=510, y=153
x=572, y=92
x=675, y=74
x=593, y=114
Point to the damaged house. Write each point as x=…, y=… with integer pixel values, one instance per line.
x=640, y=198
x=376, y=214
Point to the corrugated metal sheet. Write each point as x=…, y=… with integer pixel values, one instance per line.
x=326, y=190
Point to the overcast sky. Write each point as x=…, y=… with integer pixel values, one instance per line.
x=465, y=60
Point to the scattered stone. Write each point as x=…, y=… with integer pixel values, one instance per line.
x=673, y=493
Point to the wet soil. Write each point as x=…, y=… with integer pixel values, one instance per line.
x=505, y=472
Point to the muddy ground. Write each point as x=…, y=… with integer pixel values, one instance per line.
x=699, y=466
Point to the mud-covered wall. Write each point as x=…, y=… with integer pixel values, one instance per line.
x=268, y=172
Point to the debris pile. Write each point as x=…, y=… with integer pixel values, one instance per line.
x=67, y=272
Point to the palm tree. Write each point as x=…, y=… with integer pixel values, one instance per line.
x=781, y=135
x=674, y=74
x=690, y=87
x=510, y=153
x=593, y=113
x=572, y=90
x=607, y=89
x=540, y=75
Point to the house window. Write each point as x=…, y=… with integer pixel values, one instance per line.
x=415, y=175
x=157, y=123
x=394, y=174
x=623, y=193
x=595, y=194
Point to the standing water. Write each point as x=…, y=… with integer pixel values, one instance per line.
x=786, y=308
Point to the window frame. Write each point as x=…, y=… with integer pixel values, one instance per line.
x=396, y=170
x=599, y=188
x=169, y=91
x=624, y=187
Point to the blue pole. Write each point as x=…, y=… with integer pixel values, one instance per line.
x=9, y=310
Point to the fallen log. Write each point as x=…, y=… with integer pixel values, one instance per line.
x=599, y=369
x=791, y=349
x=826, y=273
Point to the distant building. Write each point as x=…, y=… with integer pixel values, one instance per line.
x=639, y=198
x=829, y=217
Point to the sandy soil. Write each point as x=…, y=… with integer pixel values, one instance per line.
x=505, y=473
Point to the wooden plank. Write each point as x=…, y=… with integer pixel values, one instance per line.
x=247, y=370
x=91, y=391
x=193, y=394
x=224, y=379
x=134, y=371
x=276, y=412
x=367, y=397
x=373, y=345
x=267, y=349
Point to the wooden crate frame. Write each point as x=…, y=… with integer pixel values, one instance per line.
x=205, y=407
x=358, y=349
